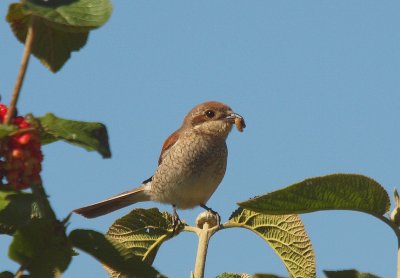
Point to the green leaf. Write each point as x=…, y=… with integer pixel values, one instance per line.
x=89, y=135
x=351, y=273
x=15, y=210
x=142, y=231
x=51, y=46
x=71, y=15
x=6, y=130
x=42, y=247
x=337, y=191
x=111, y=254
x=60, y=27
x=285, y=234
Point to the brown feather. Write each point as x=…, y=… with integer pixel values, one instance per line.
x=198, y=120
x=171, y=140
x=109, y=205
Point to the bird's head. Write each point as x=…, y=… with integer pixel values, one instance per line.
x=213, y=118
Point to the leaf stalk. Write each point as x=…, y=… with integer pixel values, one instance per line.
x=396, y=230
x=20, y=272
x=21, y=74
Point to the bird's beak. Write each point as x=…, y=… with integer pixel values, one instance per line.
x=233, y=116
x=237, y=120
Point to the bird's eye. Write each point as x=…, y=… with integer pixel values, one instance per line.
x=210, y=114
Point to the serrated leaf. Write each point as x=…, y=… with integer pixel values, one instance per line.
x=15, y=210
x=142, y=231
x=89, y=135
x=6, y=130
x=350, y=273
x=285, y=234
x=42, y=247
x=111, y=254
x=332, y=192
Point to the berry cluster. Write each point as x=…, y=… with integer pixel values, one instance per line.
x=20, y=155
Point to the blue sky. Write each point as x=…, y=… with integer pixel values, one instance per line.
x=317, y=82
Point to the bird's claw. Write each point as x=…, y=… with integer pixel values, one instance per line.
x=176, y=221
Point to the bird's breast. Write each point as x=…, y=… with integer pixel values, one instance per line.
x=190, y=172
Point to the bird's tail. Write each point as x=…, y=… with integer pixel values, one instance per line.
x=116, y=202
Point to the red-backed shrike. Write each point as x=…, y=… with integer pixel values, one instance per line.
x=191, y=166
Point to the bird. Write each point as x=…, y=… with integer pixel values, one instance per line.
x=191, y=165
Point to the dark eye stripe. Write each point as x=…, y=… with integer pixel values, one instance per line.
x=198, y=120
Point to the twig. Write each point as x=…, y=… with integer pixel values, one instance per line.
x=21, y=74
x=20, y=272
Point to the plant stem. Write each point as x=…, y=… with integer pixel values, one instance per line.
x=206, y=227
x=20, y=272
x=398, y=259
x=21, y=74
x=204, y=238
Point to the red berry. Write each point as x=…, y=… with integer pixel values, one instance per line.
x=18, y=120
x=24, y=125
x=3, y=111
x=20, y=156
x=24, y=138
x=17, y=153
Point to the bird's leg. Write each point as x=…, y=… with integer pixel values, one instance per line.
x=175, y=219
x=214, y=213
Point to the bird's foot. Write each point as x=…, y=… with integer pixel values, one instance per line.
x=216, y=214
x=176, y=221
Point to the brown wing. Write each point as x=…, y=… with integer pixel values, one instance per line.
x=171, y=140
